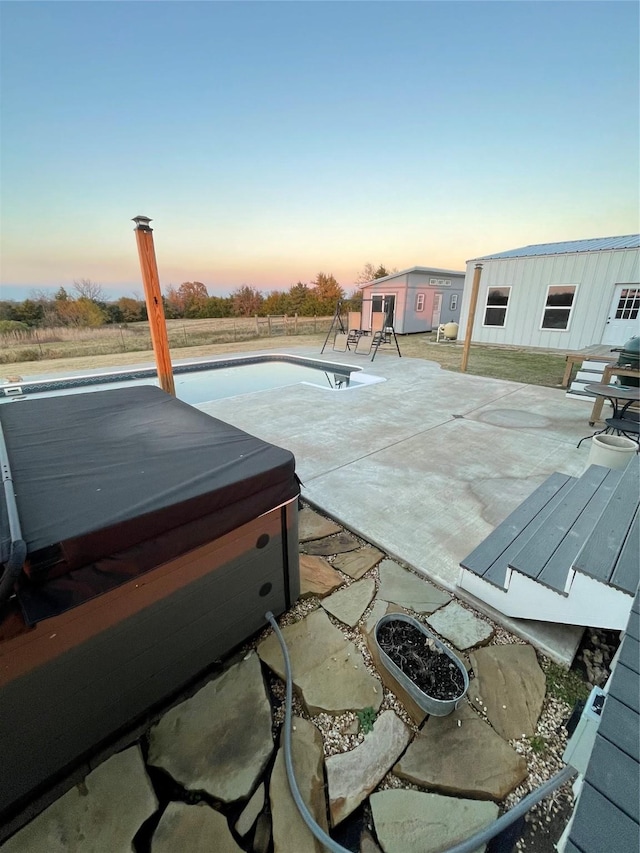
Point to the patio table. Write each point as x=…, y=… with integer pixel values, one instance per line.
x=621, y=398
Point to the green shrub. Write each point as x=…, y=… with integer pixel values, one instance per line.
x=7, y=326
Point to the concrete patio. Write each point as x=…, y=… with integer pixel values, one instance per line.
x=425, y=464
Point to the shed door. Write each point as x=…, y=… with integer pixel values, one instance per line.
x=435, y=314
x=384, y=304
x=622, y=322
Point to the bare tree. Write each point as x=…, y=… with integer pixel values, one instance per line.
x=88, y=289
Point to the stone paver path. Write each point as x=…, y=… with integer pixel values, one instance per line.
x=223, y=745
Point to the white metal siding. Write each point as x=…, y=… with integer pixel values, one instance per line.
x=594, y=273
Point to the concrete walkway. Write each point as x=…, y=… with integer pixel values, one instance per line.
x=425, y=464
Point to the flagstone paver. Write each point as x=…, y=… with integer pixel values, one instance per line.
x=328, y=671
x=351, y=776
x=461, y=755
x=290, y=832
x=380, y=608
x=198, y=829
x=357, y=563
x=509, y=687
x=251, y=811
x=312, y=525
x=338, y=544
x=414, y=822
x=102, y=813
x=349, y=604
x=408, y=590
x=460, y=627
x=220, y=739
x=317, y=577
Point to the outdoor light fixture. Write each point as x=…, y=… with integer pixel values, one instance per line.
x=142, y=222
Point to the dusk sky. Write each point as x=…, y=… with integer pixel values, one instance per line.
x=269, y=141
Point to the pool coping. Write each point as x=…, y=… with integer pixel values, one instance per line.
x=18, y=390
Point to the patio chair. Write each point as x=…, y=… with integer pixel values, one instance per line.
x=627, y=425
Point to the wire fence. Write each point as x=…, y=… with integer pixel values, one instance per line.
x=64, y=342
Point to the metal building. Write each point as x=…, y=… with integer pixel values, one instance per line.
x=557, y=295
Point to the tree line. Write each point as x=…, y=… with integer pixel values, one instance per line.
x=87, y=305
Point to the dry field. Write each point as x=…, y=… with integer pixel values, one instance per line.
x=61, y=343
x=88, y=349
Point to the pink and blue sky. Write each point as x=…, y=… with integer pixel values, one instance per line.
x=269, y=141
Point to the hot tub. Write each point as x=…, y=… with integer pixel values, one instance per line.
x=157, y=538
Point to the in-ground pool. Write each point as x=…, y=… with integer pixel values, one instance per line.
x=202, y=381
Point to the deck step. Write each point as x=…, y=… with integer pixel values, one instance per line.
x=491, y=558
x=615, y=529
x=550, y=553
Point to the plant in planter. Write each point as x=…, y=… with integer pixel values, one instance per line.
x=430, y=672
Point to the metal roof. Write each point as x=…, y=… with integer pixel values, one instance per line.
x=596, y=244
x=434, y=270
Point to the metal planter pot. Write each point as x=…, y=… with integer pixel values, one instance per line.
x=435, y=707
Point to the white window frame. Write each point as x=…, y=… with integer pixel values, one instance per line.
x=453, y=302
x=419, y=302
x=486, y=305
x=546, y=308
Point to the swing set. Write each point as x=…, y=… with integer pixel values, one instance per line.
x=354, y=337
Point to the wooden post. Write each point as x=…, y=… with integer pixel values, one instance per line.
x=471, y=316
x=153, y=298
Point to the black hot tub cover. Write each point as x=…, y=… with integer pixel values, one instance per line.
x=97, y=473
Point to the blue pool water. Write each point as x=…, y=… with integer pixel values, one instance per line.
x=201, y=382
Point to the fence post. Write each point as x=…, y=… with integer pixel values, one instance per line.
x=295, y=323
x=314, y=323
x=234, y=331
x=285, y=324
x=122, y=337
x=257, y=326
x=184, y=332
x=38, y=341
x=269, y=323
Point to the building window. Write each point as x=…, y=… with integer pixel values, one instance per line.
x=440, y=282
x=495, y=311
x=453, y=302
x=628, y=304
x=558, y=307
x=420, y=302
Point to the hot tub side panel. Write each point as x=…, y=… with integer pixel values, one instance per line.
x=79, y=679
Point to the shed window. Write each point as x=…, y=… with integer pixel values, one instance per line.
x=453, y=302
x=420, y=302
x=558, y=307
x=495, y=311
